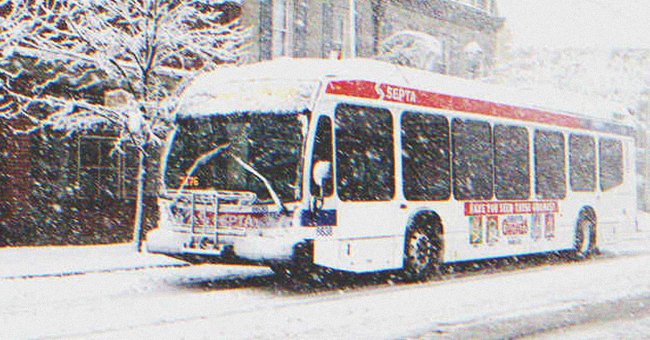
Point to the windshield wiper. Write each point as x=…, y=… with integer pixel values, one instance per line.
x=208, y=155
x=197, y=163
x=274, y=195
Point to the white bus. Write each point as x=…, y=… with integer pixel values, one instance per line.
x=361, y=166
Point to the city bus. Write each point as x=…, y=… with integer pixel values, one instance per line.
x=363, y=166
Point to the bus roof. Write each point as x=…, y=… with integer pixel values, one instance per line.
x=290, y=85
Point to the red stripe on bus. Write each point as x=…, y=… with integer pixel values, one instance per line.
x=354, y=88
x=398, y=94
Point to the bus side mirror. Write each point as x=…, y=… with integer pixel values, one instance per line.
x=321, y=172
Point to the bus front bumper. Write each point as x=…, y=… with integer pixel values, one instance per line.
x=248, y=247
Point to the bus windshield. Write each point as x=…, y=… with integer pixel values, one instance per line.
x=272, y=144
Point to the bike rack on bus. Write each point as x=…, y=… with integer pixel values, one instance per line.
x=198, y=212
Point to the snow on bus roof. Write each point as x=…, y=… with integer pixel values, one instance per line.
x=282, y=85
x=290, y=85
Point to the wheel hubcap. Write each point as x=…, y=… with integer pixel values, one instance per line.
x=419, y=251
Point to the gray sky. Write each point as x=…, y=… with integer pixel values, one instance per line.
x=578, y=23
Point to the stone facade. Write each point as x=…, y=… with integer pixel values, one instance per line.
x=321, y=29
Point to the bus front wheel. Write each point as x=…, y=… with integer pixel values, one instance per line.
x=420, y=252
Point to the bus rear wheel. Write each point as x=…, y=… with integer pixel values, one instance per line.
x=585, y=240
x=421, y=250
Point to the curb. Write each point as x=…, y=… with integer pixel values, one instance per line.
x=91, y=271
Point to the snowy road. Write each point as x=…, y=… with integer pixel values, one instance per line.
x=209, y=301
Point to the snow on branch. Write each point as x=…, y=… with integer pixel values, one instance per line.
x=16, y=22
x=86, y=48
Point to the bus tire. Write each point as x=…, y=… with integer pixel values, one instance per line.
x=282, y=270
x=301, y=268
x=421, y=251
x=585, y=239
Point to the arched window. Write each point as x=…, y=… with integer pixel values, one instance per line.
x=414, y=49
x=474, y=60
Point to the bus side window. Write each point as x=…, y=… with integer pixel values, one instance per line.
x=365, y=159
x=322, y=152
x=472, y=159
x=511, y=162
x=425, y=157
x=550, y=177
x=611, y=163
x=582, y=163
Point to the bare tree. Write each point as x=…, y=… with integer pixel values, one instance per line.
x=143, y=50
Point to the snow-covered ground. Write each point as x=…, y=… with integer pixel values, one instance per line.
x=634, y=327
x=23, y=262
x=112, y=292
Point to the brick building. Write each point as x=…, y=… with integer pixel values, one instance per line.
x=57, y=189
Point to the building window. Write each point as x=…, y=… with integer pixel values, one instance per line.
x=337, y=37
x=326, y=29
x=281, y=28
x=414, y=49
x=443, y=66
x=333, y=27
x=301, y=15
x=483, y=5
x=266, y=33
x=103, y=171
x=474, y=59
x=275, y=28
